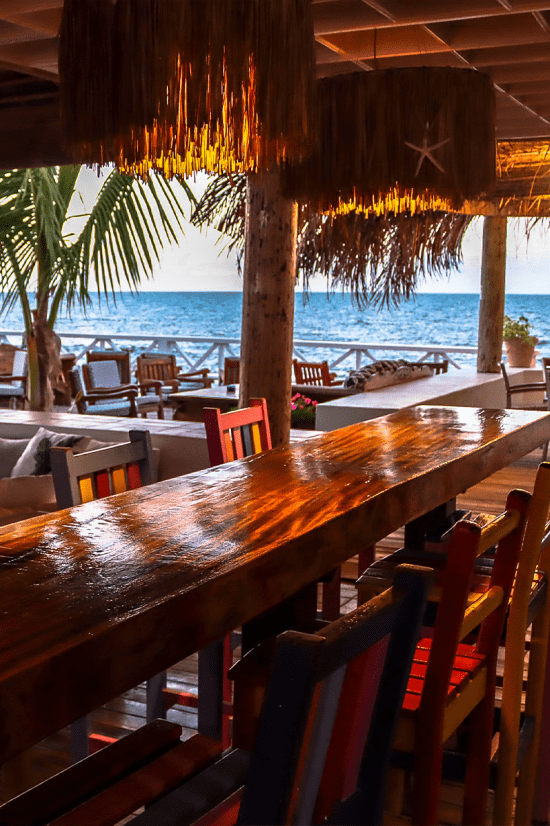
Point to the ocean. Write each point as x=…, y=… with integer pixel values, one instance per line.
x=442, y=319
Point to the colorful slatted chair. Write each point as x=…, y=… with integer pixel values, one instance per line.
x=229, y=436
x=323, y=747
x=326, y=726
x=84, y=477
x=453, y=682
x=238, y=433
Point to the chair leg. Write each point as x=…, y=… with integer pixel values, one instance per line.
x=79, y=740
x=545, y=451
x=156, y=707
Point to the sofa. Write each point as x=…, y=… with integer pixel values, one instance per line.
x=26, y=485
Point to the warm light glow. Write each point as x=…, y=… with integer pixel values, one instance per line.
x=394, y=201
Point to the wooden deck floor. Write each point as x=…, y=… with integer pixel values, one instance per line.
x=127, y=713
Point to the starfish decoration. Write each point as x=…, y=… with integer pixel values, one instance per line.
x=426, y=151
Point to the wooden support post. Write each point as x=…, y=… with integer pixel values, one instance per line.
x=268, y=300
x=493, y=285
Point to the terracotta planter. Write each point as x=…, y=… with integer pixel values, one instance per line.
x=520, y=353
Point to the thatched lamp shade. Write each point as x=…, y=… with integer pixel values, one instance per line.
x=400, y=140
x=215, y=85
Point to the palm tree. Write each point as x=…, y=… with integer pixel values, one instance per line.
x=121, y=237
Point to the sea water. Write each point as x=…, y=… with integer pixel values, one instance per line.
x=441, y=319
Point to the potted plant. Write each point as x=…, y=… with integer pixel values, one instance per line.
x=520, y=343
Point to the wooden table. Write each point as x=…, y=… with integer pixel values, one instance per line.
x=97, y=598
x=188, y=404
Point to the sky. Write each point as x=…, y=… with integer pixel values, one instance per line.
x=200, y=264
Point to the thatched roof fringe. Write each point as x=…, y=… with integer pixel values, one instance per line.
x=223, y=85
x=380, y=260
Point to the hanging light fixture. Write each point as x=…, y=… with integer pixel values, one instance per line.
x=214, y=85
x=399, y=140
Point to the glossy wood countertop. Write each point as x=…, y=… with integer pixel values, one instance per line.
x=96, y=598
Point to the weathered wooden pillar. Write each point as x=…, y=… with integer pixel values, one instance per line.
x=493, y=288
x=268, y=300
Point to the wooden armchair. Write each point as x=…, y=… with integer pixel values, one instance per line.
x=121, y=357
x=151, y=368
x=119, y=402
x=105, y=376
x=314, y=373
x=13, y=385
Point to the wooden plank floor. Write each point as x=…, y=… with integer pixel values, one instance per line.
x=127, y=713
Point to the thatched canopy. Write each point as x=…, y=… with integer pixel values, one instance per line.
x=222, y=85
x=399, y=140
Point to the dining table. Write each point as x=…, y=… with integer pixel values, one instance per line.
x=96, y=598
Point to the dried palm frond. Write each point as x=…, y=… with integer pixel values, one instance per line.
x=183, y=86
x=397, y=140
x=380, y=260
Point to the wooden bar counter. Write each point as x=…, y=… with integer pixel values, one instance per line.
x=97, y=598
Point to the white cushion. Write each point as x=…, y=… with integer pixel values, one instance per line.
x=35, y=459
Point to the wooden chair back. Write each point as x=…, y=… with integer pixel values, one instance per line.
x=526, y=605
x=452, y=680
x=158, y=368
x=238, y=433
x=122, y=359
x=83, y=477
x=231, y=371
x=326, y=724
x=315, y=373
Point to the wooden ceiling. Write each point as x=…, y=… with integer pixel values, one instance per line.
x=508, y=39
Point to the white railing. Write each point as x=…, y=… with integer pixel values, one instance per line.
x=199, y=351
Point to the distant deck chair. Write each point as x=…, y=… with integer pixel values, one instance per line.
x=84, y=477
x=152, y=368
x=118, y=402
x=231, y=371
x=315, y=373
x=105, y=375
x=437, y=366
x=13, y=386
x=528, y=387
x=122, y=358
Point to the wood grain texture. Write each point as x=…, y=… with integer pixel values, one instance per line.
x=115, y=591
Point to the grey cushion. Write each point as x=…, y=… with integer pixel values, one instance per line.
x=104, y=374
x=35, y=459
x=115, y=408
x=10, y=451
x=150, y=398
x=11, y=390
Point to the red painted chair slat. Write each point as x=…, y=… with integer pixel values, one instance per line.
x=134, y=476
x=103, y=484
